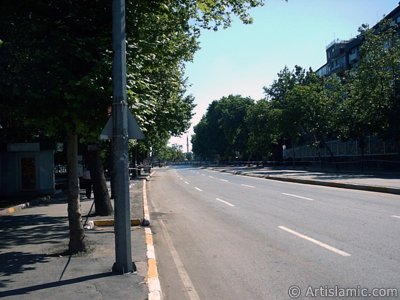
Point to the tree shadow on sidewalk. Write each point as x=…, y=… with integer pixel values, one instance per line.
x=32, y=229
x=25, y=239
x=53, y=284
x=12, y=263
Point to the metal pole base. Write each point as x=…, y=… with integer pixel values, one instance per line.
x=120, y=269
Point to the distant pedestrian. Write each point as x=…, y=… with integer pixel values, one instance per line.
x=87, y=180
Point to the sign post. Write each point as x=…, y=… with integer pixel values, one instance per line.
x=122, y=223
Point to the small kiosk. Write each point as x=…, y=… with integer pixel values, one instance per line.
x=26, y=169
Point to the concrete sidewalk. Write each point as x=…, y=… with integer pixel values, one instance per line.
x=33, y=266
x=380, y=182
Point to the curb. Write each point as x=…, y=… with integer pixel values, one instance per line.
x=110, y=222
x=13, y=209
x=153, y=281
x=360, y=187
x=146, y=213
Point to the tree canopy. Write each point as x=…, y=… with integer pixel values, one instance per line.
x=221, y=132
x=302, y=108
x=56, y=67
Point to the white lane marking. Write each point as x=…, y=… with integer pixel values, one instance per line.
x=203, y=174
x=296, y=196
x=211, y=177
x=249, y=186
x=186, y=182
x=224, y=180
x=394, y=216
x=187, y=283
x=323, y=245
x=225, y=202
x=200, y=190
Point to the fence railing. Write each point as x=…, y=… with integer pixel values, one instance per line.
x=373, y=146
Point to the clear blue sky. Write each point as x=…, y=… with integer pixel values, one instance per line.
x=244, y=58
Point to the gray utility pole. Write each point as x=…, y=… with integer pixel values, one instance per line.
x=123, y=252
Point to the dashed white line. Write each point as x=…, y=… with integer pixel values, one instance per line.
x=186, y=182
x=323, y=245
x=203, y=174
x=296, y=196
x=394, y=216
x=225, y=202
x=224, y=180
x=249, y=186
x=211, y=177
x=200, y=190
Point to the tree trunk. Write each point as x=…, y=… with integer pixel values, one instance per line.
x=77, y=241
x=102, y=200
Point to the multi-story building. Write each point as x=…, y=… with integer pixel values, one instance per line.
x=344, y=55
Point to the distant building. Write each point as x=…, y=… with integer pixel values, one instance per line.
x=344, y=55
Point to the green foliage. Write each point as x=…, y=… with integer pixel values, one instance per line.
x=159, y=42
x=316, y=102
x=221, y=132
x=261, y=122
x=373, y=104
x=53, y=62
x=282, y=96
x=171, y=153
x=303, y=108
x=212, y=14
x=56, y=62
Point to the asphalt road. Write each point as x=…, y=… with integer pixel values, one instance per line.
x=223, y=236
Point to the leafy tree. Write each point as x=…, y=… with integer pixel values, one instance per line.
x=316, y=101
x=159, y=42
x=290, y=113
x=307, y=106
x=222, y=131
x=233, y=110
x=200, y=141
x=56, y=61
x=51, y=57
x=372, y=105
x=172, y=153
x=262, y=124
